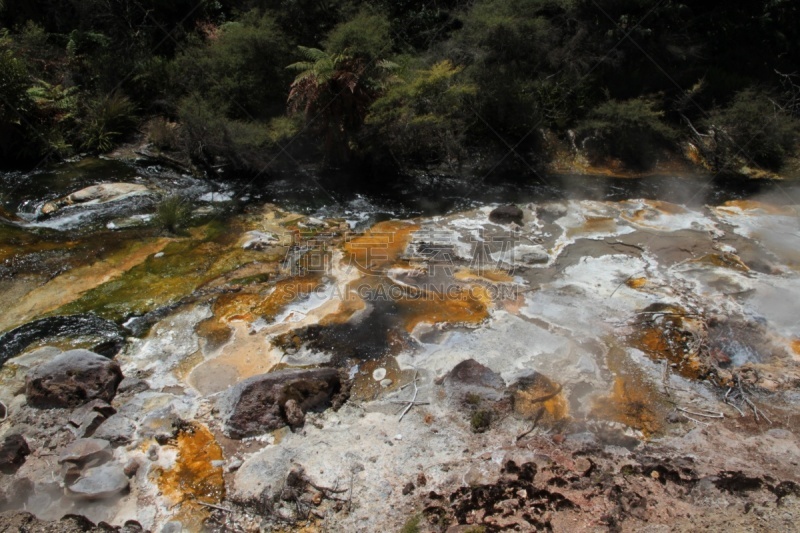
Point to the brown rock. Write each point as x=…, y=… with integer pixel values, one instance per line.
x=13, y=452
x=538, y=397
x=294, y=414
x=506, y=214
x=471, y=377
x=259, y=404
x=71, y=379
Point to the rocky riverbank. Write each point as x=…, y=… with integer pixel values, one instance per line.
x=568, y=365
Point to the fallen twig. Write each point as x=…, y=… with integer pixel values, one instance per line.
x=212, y=506
x=714, y=415
x=694, y=420
x=413, y=399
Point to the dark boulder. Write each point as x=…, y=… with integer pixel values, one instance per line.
x=13, y=452
x=271, y=401
x=506, y=214
x=14, y=342
x=71, y=379
x=472, y=378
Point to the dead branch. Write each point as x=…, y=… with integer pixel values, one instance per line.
x=413, y=399
x=212, y=506
x=714, y=415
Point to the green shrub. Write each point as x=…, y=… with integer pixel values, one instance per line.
x=365, y=36
x=245, y=145
x=425, y=117
x=163, y=134
x=631, y=130
x=172, y=214
x=481, y=420
x=240, y=72
x=412, y=525
x=754, y=129
x=107, y=120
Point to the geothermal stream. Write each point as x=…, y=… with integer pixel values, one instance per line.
x=505, y=368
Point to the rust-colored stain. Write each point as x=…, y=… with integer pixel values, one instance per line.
x=491, y=275
x=754, y=205
x=374, y=251
x=193, y=478
x=636, y=283
x=652, y=209
x=796, y=347
x=594, y=225
x=248, y=306
x=541, y=399
x=630, y=403
x=664, y=333
x=666, y=207
x=633, y=400
x=350, y=304
x=214, y=331
x=286, y=292
x=724, y=260
x=229, y=307
x=458, y=305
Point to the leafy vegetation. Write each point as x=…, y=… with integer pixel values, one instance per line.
x=172, y=214
x=260, y=87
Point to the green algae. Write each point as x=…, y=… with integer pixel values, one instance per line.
x=158, y=281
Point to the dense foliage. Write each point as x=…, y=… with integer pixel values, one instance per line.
x=261, y=85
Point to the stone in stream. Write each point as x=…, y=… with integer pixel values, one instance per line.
x=505, y=214
x=99, y=482
x=14, y=342
x=271, y=401
x=13, y=452
x=96, y=194
x=71, y=379
x=85, y=419
x=471, y=377
x=117, y=429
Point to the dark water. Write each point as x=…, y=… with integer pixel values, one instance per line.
x=438, y=195
x=366, y=201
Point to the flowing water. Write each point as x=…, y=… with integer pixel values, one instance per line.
x=612, y=290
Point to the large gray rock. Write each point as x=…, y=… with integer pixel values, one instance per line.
x=96, y=194
x=71, y=379
x=86, y=452
x=506, y=214
x=259, y=404
x=99, y=482
x=81, y=455
x=117, y=429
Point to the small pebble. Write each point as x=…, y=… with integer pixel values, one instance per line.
x=378, y=374
x=152, y=453
x=398, y=437
x=386, y=382
x=159, y=255
x=234, y=464
x=131, y=468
